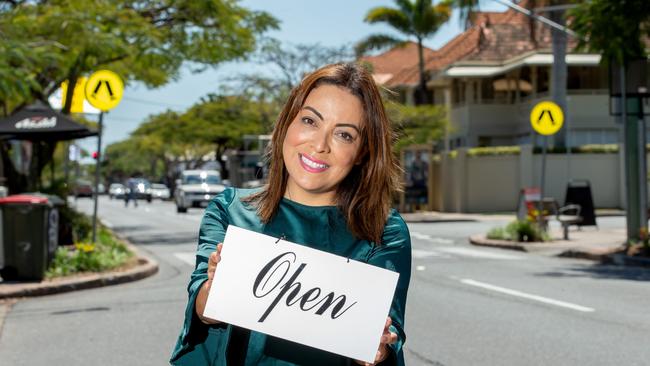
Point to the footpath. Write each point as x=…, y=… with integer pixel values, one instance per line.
x=598, y=244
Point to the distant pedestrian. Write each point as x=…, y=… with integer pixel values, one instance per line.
x=131, y=189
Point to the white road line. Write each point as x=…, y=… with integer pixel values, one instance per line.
x=186, y=257
x=527, y=296
x=468, y=252
x=429, y=238
x=420, y=236
x=420, y=254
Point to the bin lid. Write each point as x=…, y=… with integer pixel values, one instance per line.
x=24, y=198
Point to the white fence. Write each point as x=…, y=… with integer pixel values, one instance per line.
x=462, y=183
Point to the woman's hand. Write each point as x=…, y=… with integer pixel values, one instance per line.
x=202, y=297
x=387, y=338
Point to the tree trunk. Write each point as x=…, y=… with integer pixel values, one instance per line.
x=421, y=94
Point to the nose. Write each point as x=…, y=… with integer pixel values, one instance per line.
x=320, y=141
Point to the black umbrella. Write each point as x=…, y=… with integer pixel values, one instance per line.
x=39, y=122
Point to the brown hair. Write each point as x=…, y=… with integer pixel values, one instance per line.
x=364, y=196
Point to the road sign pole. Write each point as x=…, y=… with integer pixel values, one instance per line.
x=97, y=164
x=540, y=215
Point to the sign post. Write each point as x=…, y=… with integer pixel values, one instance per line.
x=103, y=91
x=546, y=118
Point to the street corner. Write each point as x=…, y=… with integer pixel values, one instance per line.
x=144, y=267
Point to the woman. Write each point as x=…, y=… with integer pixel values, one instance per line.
x=331, y=179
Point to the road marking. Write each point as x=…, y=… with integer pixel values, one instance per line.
x=420, y=254
x=527, y=296
x=468, y=252
x=416, y=235
x=186, y=257
x=420, y=268
x=420, y=236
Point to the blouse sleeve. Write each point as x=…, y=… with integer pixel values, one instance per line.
x=394, y=254
x=212, y=231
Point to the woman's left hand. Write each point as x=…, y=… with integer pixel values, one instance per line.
x=387, y=338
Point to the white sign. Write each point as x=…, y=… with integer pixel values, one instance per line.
x=301, y=294
x=36, y=122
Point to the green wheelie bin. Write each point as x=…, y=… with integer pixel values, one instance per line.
x=28, y=236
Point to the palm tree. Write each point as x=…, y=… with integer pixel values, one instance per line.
x=419, y=19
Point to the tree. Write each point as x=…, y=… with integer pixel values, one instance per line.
x=419, y=19
x=144, y=40
x=618, y=30
x=287, y=65
x=415, y=125
x=167, y=139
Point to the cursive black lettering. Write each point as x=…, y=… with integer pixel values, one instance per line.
x=271, y=277
x=283, y=290
x=267, y=268
x=329, y=300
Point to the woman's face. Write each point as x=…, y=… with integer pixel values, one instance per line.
x=322, y=144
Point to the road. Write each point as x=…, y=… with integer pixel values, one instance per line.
x=466, y=305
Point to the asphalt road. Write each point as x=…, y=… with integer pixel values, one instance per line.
x=466, y=305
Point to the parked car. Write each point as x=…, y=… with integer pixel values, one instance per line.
x=116, y=190
x=196, y=188
x=82, y=188
x=142, y=188
x=161, y=191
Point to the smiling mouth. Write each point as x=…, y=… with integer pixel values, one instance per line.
x=311, y=165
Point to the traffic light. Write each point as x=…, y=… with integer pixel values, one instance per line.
x=95, y=155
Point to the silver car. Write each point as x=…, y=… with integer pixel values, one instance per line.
x=196, y=188
x=160, y=191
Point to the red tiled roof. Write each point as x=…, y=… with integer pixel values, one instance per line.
x=390, y=63
x=493, y=37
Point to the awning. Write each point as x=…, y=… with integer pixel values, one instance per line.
x=537, y=59
x=39, y=122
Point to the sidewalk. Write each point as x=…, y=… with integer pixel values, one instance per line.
x=597, y=244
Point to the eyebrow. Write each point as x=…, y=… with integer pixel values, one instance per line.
x=338, y=124
x=315, y=112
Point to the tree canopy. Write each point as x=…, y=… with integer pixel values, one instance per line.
x=164, y=140
x=616, y=29
x=144, y=40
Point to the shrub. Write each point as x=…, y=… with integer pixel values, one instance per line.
x=84, y=256
x=494, y=151
x=519, y=230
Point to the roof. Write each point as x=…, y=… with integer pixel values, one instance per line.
x=492, y=39
x=390, y=63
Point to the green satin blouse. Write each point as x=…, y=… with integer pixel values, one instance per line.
x=319, y=227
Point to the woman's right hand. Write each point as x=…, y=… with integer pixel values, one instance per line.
x=202, y=297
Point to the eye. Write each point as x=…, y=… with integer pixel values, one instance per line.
x=308, y=121
x=345, y=136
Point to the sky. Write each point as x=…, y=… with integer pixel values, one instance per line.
x=330, y=23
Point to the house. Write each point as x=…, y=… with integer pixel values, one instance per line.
x=491, y=75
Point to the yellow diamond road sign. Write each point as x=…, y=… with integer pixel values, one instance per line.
x=104, y=90
x=546, y=118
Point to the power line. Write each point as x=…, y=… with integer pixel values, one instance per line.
x=151, y=102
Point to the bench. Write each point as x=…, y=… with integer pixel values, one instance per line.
x=566, y=215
